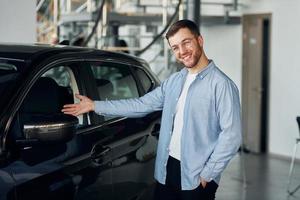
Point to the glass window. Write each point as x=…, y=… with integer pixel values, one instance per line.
x=60, y=78
x=60, y=75
x=114, y=81
x=144, y=78
x=65, y=79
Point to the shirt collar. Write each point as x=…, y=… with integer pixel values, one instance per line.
x=202, y=73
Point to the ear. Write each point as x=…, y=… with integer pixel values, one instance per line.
x=200, y=40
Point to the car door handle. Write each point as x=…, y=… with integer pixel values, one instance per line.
x=98, y=152
x=100, y=156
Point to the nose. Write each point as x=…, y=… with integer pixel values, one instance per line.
x=182, y=49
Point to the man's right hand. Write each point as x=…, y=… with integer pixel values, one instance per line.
x=83, y=106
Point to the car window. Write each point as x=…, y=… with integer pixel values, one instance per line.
x=114, y=81
x=61, y=75
x=144, y=78
x=64, y=77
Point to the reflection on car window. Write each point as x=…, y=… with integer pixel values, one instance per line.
x=64, y=77
x=114, y=81
x=60, y=75
x=144, y=78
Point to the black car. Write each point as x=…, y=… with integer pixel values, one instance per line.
x=45, y=154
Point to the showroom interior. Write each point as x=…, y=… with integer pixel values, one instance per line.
x=255, y=42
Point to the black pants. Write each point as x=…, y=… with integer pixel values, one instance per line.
x=172, y=189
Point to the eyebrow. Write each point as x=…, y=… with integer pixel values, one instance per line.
x=181, y=42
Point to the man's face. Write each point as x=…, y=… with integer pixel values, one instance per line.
x=187, y=47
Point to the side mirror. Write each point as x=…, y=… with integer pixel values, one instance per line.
x=56, y=128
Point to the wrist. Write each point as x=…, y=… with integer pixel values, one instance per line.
x=92, y=106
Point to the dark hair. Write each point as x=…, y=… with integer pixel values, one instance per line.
x=184, y=23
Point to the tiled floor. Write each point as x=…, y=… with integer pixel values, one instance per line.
x=266, y=179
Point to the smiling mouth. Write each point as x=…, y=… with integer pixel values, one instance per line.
x=186, y=58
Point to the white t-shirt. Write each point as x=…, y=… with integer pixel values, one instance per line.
x=175, y=144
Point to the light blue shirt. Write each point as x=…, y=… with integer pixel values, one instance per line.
x=211, y=133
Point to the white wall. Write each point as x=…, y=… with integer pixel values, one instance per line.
x=224, y=45
x=285, y=72
x=17, y=21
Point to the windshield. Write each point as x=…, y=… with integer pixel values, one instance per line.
x=9, y=72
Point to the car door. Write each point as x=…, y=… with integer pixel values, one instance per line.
x=61, y=168
x=32, y=154
x=133, y=148
x=95, y=178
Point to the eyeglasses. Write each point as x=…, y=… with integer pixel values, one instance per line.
x=186, y=43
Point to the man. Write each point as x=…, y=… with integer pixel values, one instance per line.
x=200, y=127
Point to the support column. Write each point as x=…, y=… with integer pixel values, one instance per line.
x=194, y=11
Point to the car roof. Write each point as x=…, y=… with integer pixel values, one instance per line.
x=28, y=52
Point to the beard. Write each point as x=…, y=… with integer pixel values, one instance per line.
x=191, y=58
